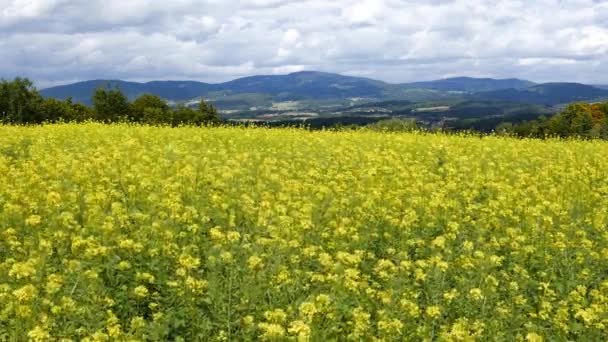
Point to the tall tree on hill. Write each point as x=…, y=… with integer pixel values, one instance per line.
x=110, y=105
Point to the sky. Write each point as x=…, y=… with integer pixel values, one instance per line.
x=62, y=41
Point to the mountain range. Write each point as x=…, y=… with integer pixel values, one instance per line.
x=323, y=92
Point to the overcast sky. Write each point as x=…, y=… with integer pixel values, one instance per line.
x=62, y=41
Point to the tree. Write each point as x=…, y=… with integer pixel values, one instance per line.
x=542, y=125
x=19, y=101
x=209, y=113
x=182, y=115
x=155, y=116
x=582, y=124
x=205, y=114
x=79, y=112
x=110, y=105
x=53, y=110
x=155, y=106
x=577, y=119
x=504, y=128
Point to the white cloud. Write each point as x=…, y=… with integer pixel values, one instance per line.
x=546, y=61
x=291, y=37
x=282, y=53
x=17, y=9
x=214, y=40
x=365, y=11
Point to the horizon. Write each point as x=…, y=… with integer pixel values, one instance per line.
x=54, y=42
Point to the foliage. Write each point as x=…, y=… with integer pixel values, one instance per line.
x=183, y=115
x=52, y=110
x=125, y=232
x=111, y=105
x=585, y=120
x=19, y=101
x=208, y=112
x=149, y=109
x=395, y=125
x=79, y=113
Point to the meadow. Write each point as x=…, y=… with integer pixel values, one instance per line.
x=134, y=233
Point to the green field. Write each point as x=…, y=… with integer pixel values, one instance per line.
x=134, y=233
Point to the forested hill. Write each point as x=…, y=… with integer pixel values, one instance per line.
x=292, y=87
x=310, y=90
x=548, y=94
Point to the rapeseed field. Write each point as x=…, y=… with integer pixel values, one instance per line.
x=132, y=233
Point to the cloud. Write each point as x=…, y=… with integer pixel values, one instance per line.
x=363, y=12
x=57, y=41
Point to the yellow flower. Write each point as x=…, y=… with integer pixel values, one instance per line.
x=248, y=320
x=114, y=331
x=433, y=311
x=226, y=257
x=189, y=262
x=322, y=300
x=137, y=323
x=534, y=337
x=275, y=316
x=141, y=291
x=271, y=330
x=233, y=236
x=476, y=294
x=21, y=270
x=360, y=322
x=33, y=220
x=91, y=274
x=385, y=269
x=410, y=308
x=145, y=276
x=54, y=283
x=254, y=262
x=123, y=265
x=390, y=327
x=308, y=310
x=39, y=334
x=196, y=285
x=438, y=242
x=25, y=293
x=299, y=329
x=450, y=295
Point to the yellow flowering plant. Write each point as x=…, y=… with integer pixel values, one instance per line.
x=135, y=233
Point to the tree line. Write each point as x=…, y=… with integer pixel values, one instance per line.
x=583, y=120
x=21, y=103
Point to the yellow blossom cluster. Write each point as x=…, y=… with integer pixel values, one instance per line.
x=132, y=233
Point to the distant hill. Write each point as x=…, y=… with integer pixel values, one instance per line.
x=472, y=85
x=601, y=86
x=310, y=90
x=308, y=86
x=169, y=90
x=547, y=94
x=305, y=84
x=295, y=86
